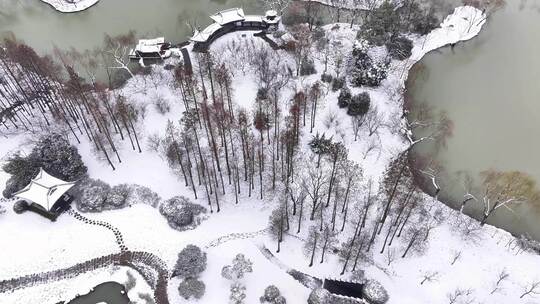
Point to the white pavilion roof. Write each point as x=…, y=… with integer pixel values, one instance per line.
x=150, y=45
x=228, y=16
x=202, y=36
x=44, y=190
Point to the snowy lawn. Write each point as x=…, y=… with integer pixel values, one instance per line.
x=40, y=245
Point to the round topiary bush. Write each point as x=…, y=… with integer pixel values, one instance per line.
x=359, y=104
x=191, y=287
x=181, y=214
x=374, y=292
x=20, y=207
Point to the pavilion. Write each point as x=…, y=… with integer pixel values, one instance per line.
x=231, y=20
x=46, y=195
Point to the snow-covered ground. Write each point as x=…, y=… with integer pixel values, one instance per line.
x=71, y=6
x=40, y=245
x=58, y=291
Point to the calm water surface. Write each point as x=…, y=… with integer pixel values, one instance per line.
x=40, y=26
x=490, y=88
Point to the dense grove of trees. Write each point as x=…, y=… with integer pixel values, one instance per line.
x=38, y=94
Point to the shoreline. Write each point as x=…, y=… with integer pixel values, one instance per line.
x=62, y=6
x=423, y=183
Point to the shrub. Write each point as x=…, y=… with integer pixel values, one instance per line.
x=272, y=295
x=162, y=105
x=131, y=281
x=20, y=207
x=307, y=67
x=364, y=71
x=338, y=83
x=345, y=97
x=319, y=296
x=142, y=194
x=374, y=292
x=190, y=263
x=359, y=104
x=425, y=24
x=238, y=293
x=326, y=78
x=181, y=213
x=400, y=48
x=93, y=195
x=191, y=287
x=54, y=154
x=239, y=267
x=119, y=196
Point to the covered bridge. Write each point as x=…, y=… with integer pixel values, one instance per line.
x=231, y=20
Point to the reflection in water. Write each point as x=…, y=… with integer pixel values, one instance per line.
x=40, y=26
x=489, y=88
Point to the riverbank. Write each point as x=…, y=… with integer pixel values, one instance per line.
x=71, y=6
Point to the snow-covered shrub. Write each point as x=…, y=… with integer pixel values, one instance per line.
x=400, y=48
x=326, y=78
x=338, y=83
x=181, y=213
x=239, y=267
x=20, y=207
x=358, y=276
x=147, y=298
x=190, y=263
x=191, y=287
x=131, y=281
x=359, y=104
x=364, y=71
x=307, y=67
x=272, y=295
x=238, y=293
x=93, y=195
x=319, y=296
x=374, y=292
x=119, y=196
x=162, y=105
x=345, y=97
x=144, y=195
x=54, y=154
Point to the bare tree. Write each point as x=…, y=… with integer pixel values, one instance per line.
x=531, y=289
x=459, y=294
x=501, y=277
x=429, y=276
x=373, y=121
x=503, y=189
x=117, y=48
x=456, y=255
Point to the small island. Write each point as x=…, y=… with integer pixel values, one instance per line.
x=71, y=6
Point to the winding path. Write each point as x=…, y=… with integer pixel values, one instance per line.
x=154, y=270
x=138, y=260
x=235, y=236
x=114, y=230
